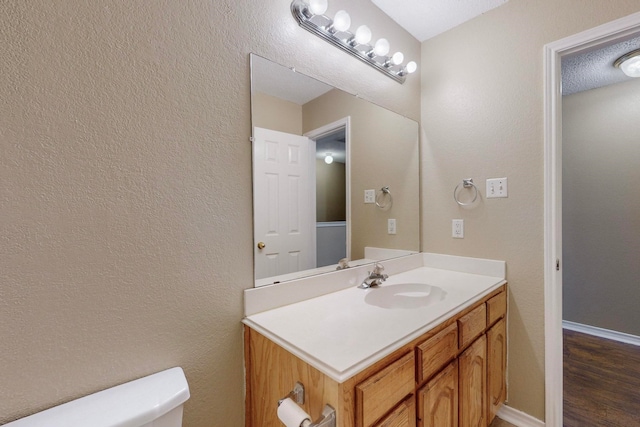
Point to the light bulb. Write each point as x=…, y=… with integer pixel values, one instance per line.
x=342, y=21
x=397, y=58
x=363, y=34
x=412, y=67
x=328, y=159
x=381, y=48
x=318, y=7
x=631, y=67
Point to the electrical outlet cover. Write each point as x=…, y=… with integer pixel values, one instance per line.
x=457, y=228
x=391, y=226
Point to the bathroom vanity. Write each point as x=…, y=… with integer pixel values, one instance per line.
x=426, y=348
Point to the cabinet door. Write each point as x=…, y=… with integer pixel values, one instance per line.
x=473, y=384
x=496, y=368
x=404, y=415
x=438, y=399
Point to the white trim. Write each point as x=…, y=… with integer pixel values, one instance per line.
x=518, y=418
x=611, y=31
x=552, y=240
x=329, y=224
x=601, y=332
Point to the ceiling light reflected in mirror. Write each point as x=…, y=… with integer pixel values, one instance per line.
x=629, y=63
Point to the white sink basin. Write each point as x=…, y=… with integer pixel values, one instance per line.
x=404, y=295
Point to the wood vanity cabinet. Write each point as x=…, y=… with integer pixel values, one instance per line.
x=452, y=376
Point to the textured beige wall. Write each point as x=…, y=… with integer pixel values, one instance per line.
x=601, y=208
x=384, y=152
x=482, y=107
x=274, y=113
x=125, y=188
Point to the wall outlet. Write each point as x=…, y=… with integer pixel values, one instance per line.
x=369, y=196
x=457, y=228
x=497, y=187
x=391, y=226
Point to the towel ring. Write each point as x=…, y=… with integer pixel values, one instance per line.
x=381, y=196
x=466, y=183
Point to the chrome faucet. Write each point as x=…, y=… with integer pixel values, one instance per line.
x=342, y=264
x=374, y=278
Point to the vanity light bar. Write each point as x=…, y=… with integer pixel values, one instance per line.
x=325, y=28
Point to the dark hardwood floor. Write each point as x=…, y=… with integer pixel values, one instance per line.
x=601, y=382
x=497, y=422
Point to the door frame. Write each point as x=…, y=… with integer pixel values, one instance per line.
x=344, y=123
x=553, y=52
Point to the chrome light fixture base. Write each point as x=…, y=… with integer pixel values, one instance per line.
x=345, y=41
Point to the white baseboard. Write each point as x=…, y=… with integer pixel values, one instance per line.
x=518, y=418
x=602, y=333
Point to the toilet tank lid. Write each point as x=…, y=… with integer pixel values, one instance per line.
x=130, y=404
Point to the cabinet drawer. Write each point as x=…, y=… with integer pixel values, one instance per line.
x=436, y=352
x=496, y=308
x=376, y=395
x=404, y=415
x=472, y=324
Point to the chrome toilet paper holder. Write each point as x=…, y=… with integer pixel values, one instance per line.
x=328, y=416
x=297, y=394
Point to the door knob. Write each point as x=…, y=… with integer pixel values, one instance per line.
x=261, y=245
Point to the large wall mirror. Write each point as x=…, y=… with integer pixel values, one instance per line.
x=316, y=152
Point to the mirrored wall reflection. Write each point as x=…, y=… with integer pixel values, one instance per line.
x=316, y=149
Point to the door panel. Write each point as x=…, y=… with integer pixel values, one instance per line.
x=284, y=218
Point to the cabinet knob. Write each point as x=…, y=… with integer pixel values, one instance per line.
x=261, y=245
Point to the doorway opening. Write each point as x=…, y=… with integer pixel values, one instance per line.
x=332, y=192
x=595, y=38
x=331, y=200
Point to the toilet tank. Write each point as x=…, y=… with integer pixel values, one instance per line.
x=153, y=401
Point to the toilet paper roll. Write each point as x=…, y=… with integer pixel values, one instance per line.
x=291, y=414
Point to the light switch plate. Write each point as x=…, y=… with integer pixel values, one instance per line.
x=369, y=196
x=497, y=187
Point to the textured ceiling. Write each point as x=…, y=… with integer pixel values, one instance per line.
x=427, y=18
x=592, y=69
x=333, y=144
x=281, y=82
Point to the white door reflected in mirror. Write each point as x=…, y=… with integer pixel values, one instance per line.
x=283, y=203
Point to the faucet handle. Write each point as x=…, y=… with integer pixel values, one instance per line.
x=342, y=264
x=378, y=268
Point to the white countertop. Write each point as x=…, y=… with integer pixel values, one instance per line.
x=340, y=333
